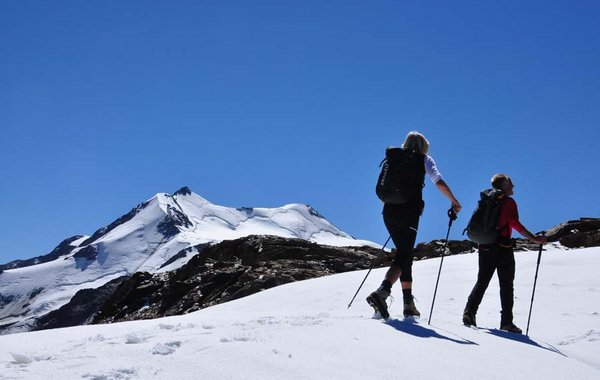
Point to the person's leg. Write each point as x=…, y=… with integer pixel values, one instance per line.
x=393, y=274
x=399, y=229
x=397, y=226
x=487, y=266
x=406, y=250
x=404, y=239
x=506, y=276
x=406, y=255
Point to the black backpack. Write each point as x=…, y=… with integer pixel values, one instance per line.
x=483, y=226
x=402, y=176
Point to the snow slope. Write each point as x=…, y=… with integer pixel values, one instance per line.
x=144, y=240
x=304, y=330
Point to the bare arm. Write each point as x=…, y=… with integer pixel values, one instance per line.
x=445, y=189
x=513, y=222
x=536, y=239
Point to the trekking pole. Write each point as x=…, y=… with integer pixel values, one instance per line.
x=452, y=217
x=534, y=283
x=372, y=264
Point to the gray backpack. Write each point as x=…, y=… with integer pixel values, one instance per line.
x=483, y=226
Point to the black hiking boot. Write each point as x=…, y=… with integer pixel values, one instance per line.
x=377, y=301
x=410, y=309
x=510, y=327
x=469, y=319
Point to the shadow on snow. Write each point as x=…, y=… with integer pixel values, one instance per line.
x=410, y=326
x=522, y=339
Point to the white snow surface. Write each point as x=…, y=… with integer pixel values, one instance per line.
x=138, y=245
x=304, y=330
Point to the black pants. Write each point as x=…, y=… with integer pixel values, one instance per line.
x=402, y=222
x=491, y=259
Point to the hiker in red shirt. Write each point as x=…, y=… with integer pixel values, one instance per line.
x=500, y=256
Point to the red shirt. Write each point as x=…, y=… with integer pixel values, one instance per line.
x=509, y=216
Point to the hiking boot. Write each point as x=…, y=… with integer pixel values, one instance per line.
x=377, y=301
x=410, y=310
x=469, y=319
x=510, y=327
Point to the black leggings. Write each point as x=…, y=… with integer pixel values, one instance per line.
x=403, y=223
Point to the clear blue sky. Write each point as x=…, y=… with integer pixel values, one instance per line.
x=261, y=103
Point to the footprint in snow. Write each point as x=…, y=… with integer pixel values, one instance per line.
x=117, y=374
x=238, y=339
x=97, y=338
x=177, y=327
x=308, y=320
x=590, y=336
x=166, y=348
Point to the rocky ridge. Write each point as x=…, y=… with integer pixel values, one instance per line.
x=217, y=273
x=236, y=268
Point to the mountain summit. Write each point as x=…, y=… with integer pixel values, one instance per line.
x=154, y=237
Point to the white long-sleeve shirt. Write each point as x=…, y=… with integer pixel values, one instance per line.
x=431, y=170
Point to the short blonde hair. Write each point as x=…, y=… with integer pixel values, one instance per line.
x=416, y=141
x=498, y=180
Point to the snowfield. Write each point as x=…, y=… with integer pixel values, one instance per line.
x=304, y=330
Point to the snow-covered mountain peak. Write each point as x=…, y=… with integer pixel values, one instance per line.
x=155, y=236
x=183, y=191
x=186, y=194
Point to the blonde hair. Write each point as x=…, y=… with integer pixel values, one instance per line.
x=498, y=180
x=416, y=141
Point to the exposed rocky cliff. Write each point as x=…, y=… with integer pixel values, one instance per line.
x=227, y=271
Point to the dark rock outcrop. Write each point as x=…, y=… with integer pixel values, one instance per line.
x=170, y=224
x=5, y=300
x=85, y=257
x=584, y=232
x=183, y=191
x=227, y=271
x=185, y=253
x=175, y=217
x=84, y=304
x=435, y=248
x=88, y=253
x=63, y=249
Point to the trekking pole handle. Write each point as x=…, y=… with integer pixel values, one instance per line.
x=543, y=233
x=451, y=215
